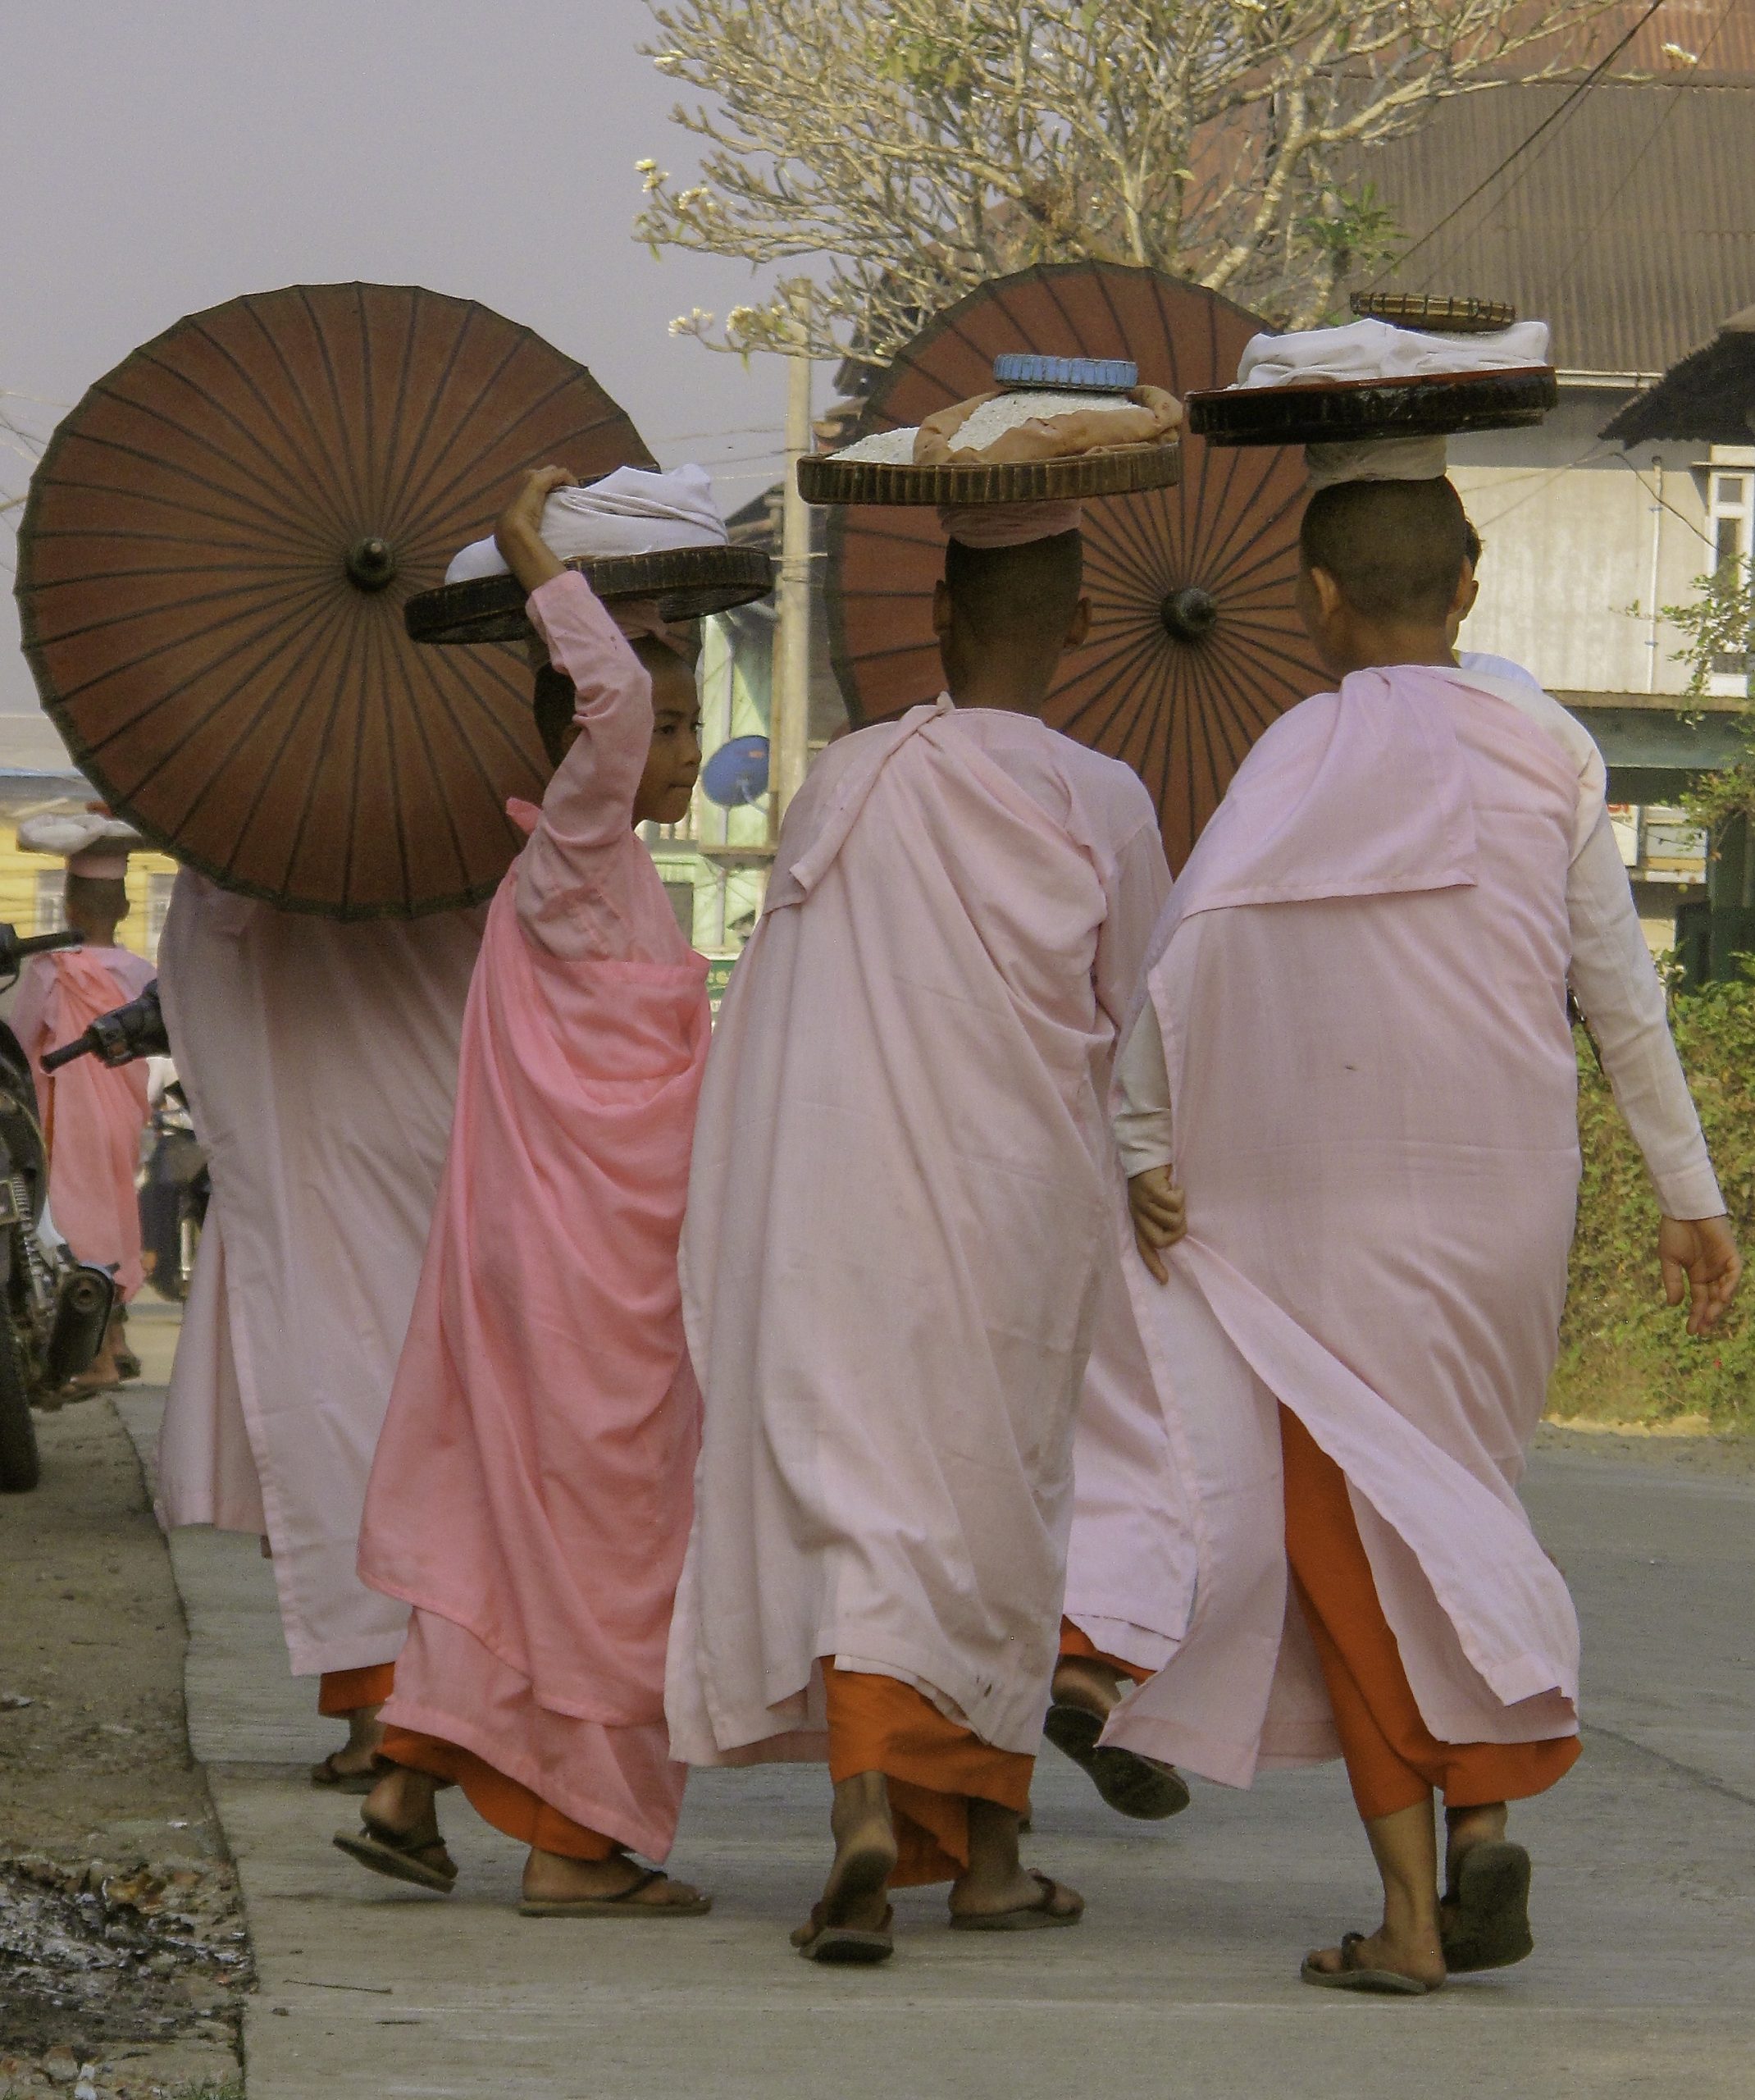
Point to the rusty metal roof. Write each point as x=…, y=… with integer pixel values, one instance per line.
x=1630, y=224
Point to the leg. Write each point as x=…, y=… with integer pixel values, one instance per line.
x=399, y=1832
x=1087, y=1688
x=996, y=1883
x=1405, y=1845
x=856, y=1894
x=353, y=1696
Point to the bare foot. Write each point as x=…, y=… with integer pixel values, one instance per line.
x=554, y=1878
x=1465, y=1827
x=365, y=1738
x=1418, y=1955
x=853, y=1895
x=403, y=1802
x=995, y=1879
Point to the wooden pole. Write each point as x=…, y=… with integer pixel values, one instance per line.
x=789, y=726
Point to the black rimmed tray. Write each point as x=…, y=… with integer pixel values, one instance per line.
x=1436, y=316
x=1127, y=470
x=688, y=583
x=1343, y=411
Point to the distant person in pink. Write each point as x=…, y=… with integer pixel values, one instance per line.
x=1355, y=1059
x=531, y=1492
x=92, y=1116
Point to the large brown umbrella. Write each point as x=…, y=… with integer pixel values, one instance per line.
x=1195, y=644
x=212, y=568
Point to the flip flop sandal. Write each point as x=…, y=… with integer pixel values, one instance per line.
x=1131, y=1785
x=1488, y=1926
x=1027, y=1918
x=847, y=1946
x=128, y=1365
x=621, y=1906
x=329, y=1774
x=403, y=1854
x=1350, y=1976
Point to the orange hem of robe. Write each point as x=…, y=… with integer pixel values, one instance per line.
x=1074, y=1641
x=341, y=1692
x=1393, y=1760
x=507, y=1804
x=934, y=1769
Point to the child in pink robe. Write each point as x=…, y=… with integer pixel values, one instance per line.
x=532, y=1491
x=1358, y=1011
x=93, y=1115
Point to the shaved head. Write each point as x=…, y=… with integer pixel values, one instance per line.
x=1027, y=594
x=1395, y=549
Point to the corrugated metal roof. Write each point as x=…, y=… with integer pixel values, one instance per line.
x=1630, y=225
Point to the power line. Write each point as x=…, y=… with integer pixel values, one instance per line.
x=1517, y=152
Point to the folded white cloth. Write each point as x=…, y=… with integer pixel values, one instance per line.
x=1376, y=459
x=1373, y=350
x=629, y=512
x=91, y=842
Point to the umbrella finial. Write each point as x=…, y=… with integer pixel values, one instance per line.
x=370, y=563
x=1190, y=614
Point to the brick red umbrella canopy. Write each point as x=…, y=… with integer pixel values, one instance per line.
x=1195, y=644
x=212, y=567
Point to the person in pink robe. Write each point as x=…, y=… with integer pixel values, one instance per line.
x=320, y=1060
x=531, y=1492
x=93, y=1115
x=901, y=1194
x=1357, y=1013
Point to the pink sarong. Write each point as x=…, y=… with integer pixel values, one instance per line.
x=532, y=1491
x=1361, y=990
x=92, y=1116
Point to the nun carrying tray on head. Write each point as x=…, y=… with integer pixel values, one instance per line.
x=92, y=1114
x=1353, y=1055
x=532, y=1491
x=901, y=1199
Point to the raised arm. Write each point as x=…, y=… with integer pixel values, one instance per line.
x=1617, y=988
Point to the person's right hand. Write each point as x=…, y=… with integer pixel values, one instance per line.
x=1700, y=1260
x=517, y=533
x=1160, y=1211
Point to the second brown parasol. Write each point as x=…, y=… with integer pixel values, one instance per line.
x=1195, y=644
x=212, y=567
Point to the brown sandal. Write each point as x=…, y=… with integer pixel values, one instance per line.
x=1027, y=1918
x=329, y=1774
x=846, y=1945
x=1352, y=1975
x=621, y=1905
x=403, y=1855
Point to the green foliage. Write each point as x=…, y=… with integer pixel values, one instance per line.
x=1626, y=1356
x=1717, y=626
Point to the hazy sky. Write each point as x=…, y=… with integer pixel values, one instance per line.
x=156, y=158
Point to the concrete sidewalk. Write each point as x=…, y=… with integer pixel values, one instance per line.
x=1183, y=1979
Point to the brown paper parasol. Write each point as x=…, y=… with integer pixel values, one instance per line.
x=212, y=568
x=1195, y=644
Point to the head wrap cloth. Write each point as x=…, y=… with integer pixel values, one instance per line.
x=93, y=843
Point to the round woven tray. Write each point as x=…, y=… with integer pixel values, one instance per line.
x=1337, y=412
x=1126, y=470
x=688, y=583
x=1436, y=316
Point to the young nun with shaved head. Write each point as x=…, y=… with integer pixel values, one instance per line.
x=1355, y=1059
x=900, y=1199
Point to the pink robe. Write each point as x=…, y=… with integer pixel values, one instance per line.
x=897, y=1221
x=93, y=1115
x=1362, y=997
x=532, y=1489
x=320, y=1060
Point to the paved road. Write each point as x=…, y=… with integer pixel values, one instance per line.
x=1182, y=1981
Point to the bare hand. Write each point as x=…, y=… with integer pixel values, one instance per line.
x=1160, y=1211
x=1700, y=1258
x=518, y=533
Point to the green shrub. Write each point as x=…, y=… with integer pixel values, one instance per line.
x=1625, y=1355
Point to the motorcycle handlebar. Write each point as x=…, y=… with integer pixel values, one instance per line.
x=119, y=1037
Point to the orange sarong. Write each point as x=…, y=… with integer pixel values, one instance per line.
x=1075, y=1642
x=341, y=1692
x=505, y=1803
x=934, y=1769
x=1393, y=1759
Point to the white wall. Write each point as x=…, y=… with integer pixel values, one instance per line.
x=1570, y=526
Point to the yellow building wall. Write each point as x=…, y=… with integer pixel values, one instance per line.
x=30, y=890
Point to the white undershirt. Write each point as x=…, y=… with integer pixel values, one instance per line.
x=1612, y=978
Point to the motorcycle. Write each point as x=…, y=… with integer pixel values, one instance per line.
x=54, y=1308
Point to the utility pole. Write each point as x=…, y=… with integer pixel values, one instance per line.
x=789, y=722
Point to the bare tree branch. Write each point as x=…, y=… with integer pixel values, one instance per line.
x=910, y=149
